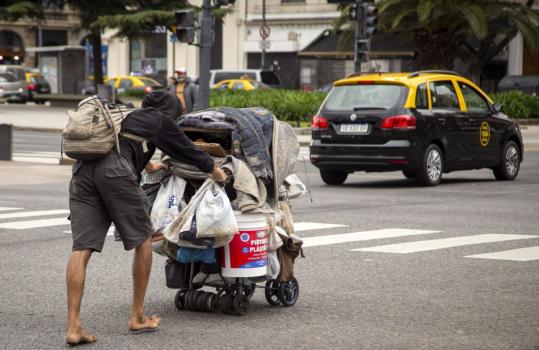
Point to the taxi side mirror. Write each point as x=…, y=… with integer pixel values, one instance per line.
x=497, y=108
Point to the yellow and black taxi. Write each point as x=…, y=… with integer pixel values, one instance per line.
x=239, y=84
x=123, y=83
x=424, y=124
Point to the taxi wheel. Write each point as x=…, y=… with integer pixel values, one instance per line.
x=430, y=173
x=509, y=164
x=333, y=177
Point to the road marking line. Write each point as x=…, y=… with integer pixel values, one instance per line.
x=9, y=209
x=522, y=254
x=110, y=232
x=306, y=226
x=434, y=244
x=37, y=154
x=33, y=213
x=21, y=225
x=362, y=236
x=37, y=160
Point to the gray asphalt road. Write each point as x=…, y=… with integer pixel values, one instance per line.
x=434, y=299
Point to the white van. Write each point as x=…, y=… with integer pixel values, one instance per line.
x=269, y=78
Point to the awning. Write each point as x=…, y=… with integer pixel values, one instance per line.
x=383, y=45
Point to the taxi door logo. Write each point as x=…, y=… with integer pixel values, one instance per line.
x=484, y=134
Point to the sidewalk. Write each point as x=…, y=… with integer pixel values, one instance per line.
x=49, y=119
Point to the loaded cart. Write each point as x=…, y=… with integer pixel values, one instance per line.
x=236, y=237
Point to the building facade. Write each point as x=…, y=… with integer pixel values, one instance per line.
x=58, y=28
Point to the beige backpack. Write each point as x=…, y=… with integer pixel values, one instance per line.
x=92, y=129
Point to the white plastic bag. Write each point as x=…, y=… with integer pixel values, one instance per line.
x=184, y=220
x=273, y=265
x=275, y=240
x=214, y=215
x=167, y=203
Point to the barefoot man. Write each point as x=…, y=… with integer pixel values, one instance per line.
x=106, y=190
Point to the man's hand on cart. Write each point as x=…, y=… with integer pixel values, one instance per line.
x=152, y=167
x=218, y=175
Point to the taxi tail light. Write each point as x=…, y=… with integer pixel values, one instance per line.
x=319, y=123
x=404, y=121
x=32, y=86
x=147, y=89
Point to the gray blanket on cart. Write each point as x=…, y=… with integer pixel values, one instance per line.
x=252, y=133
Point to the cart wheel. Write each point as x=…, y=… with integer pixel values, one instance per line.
x=215, y=305
x=225, y=304
x=189, y=299
x=198, y=295
x=201, y=301
x=249, y=290
x=289, y=292
x=179, y=300
x=210, y=301
x=271, y=291
x=240, y=304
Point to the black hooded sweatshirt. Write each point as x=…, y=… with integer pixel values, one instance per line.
x=155, y=122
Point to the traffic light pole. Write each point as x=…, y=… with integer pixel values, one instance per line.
x=263, y=56
x=358, y=36
x=204, y=56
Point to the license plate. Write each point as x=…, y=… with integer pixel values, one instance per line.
x=354, y=128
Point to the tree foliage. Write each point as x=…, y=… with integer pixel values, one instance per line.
x=468, y=32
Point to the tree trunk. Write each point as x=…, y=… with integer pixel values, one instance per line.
x=95, y=39
x=435, y=50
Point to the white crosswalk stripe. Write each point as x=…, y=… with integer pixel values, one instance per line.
x=26, y=214
x=522, y=254
x=37, y=157
x=24, y=225
x=14, y=218
x=361, y=236
x=434, y=244
x=9, y=209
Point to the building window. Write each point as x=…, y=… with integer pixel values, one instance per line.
x=148, y=54
x=291, y=1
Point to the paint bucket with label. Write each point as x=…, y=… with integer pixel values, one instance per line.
x=246, y=254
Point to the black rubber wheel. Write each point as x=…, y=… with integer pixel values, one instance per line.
x=202, y=301
x=509, y=162
x=333, y=177
x=408, y=174
x=225, y=304
x=289, y=292
x=179, y=299
x=240, y=304
x=189, y=299
x=249, y=290
x=271, y=291
x=432, y=168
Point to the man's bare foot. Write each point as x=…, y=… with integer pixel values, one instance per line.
x=144, y=323
x=79, y=337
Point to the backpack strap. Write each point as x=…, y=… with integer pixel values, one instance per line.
x=139, y=139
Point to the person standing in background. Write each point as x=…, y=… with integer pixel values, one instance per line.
x=185, y=89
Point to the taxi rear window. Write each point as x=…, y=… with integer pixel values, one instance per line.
x=365, y=96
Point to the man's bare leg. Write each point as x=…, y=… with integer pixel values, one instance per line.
x=142, y=265
x=75, y=277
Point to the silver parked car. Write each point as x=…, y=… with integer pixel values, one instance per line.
x=13, y=89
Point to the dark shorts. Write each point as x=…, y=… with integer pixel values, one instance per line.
x=104, y=191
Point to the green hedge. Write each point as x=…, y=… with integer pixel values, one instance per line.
x=517, y=104
x=288, y=105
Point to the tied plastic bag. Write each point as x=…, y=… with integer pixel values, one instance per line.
x=273, y=265
x=167, y=203
x=214, y=215
x=215, y=219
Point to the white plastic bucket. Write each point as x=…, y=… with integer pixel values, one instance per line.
x=246, y=255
